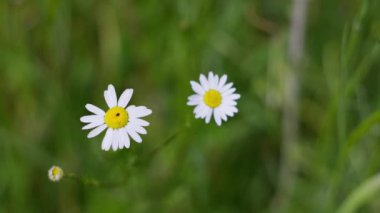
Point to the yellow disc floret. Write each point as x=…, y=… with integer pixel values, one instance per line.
x=212, y=98
x=116, y=117
x=57, y=171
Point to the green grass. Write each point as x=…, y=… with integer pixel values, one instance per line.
x=56, y=56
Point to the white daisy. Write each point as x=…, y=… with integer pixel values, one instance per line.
x=213, y=97
x=120, y=121
x=55, y=173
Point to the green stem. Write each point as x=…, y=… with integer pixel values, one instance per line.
x=167, y=141
x=93, y=182
x=85, y=180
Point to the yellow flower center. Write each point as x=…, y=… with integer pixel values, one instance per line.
x=212, y=98
x=56, y=171
x=116, y=117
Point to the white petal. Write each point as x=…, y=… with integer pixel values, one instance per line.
x=110, y=96
x=204, y=82
x=207, y=111
x=96, y=131
x=201, y=111
x=209, y=114
x=127, y=143
x=234, y=109
x=222, y=81
x=125, y=98
x=198, y=109
x=192, y=103
x=234, y=96
x=140, y=122
x=137, y=112
x=125, y=139
x=204, y=112
x=222, y=113
x=210, y=76
x=194, y=100
x=197, y=88
x=94, y=109
x=107, y=140
x=229, y=92
x=194, y=97
x=93, y=125
x=217, y=118
x=229, y=102
x=91, y=118
x=115, y=139
x=143, y=111
x=131, y=132
x=108, y=99
x=216, y=81
x=226, y=87
x=224, y=116
x=140, y=130
x=230, y=110
x=122, y=138
x=211, y=80
x=230, y=99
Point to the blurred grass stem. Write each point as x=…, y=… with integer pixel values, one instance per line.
x=361, y=195
x=290, y=126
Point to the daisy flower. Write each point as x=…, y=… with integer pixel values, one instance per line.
x=55, y=173
x=121, y=122
x=214, y=97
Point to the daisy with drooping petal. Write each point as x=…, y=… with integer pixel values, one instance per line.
x=121, y=122
x=214, y=97
x=55, y=173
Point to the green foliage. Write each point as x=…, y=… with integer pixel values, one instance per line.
x=56, y=56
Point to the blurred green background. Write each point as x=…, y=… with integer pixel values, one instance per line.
x=56, y=56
